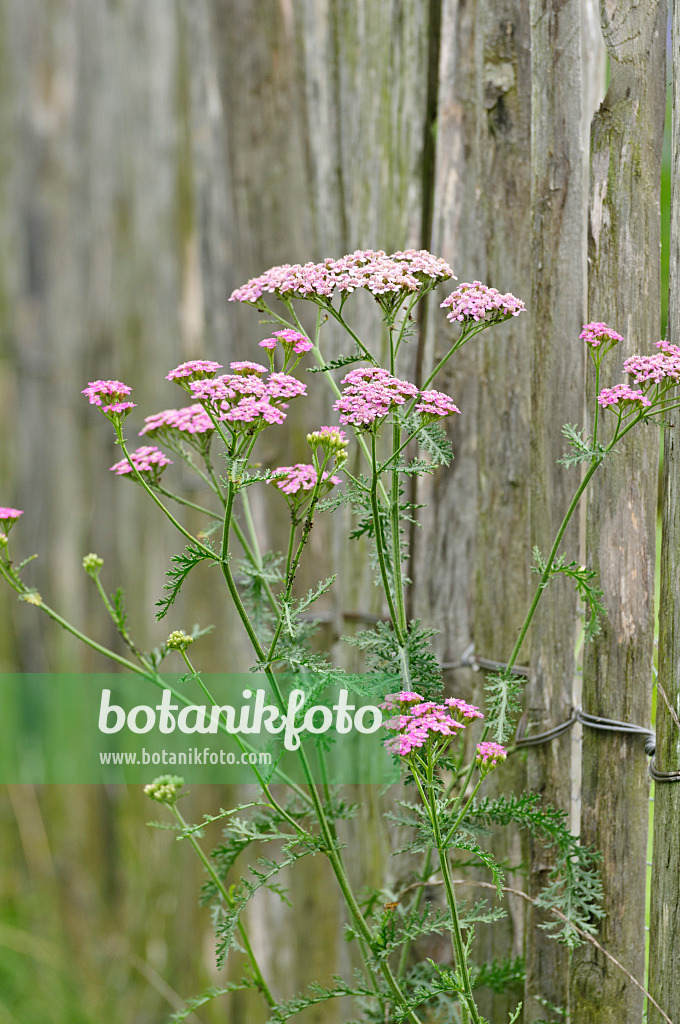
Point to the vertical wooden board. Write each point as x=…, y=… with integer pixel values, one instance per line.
x=473, y=552
x=664, y=936
x=623, y=291
x=558, y=307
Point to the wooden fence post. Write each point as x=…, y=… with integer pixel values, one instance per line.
x=558, y=302
x=623, y=291
x=664, y=934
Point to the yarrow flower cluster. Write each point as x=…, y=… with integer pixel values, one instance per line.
x=596, y=333
x=660, y=368
x=194, y=369
x=146, y=459
x=488, y=756
x=192, y=419
x=291, y=341
x=621, y=393
x=301, y=477
x=419, y=721
x=477, y=301
x=434, y=404
x=402, y=272
x=8, y=517
x=243, y=396
x=109, y=395
x=165, y=789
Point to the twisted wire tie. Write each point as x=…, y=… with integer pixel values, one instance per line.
x=469, y=659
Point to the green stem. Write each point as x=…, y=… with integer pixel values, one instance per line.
x=468, y=333
x=380, y=544
x=396, y=538
x=257, y=973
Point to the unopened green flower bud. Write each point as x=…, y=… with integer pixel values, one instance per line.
x=331, y=439
x=92, y=564
x=3, y=540
x=165, y=789
x=179, y=641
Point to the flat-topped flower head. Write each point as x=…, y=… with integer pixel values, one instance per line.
x=147, y=460
x=191, y=420
x=466, y=710
x=402, y=700
x=597, y=334
x=419, y=723
x=294, y=480
x=476, y=301
x=194, y=369
x=251, y=410
x=111, y=397
x=370, y=393
x=245, y=367
x=434, y=405
x=488, y=756
x=401, y=273
x=622, y=394
x=8, y=517
x=290, y=339
x=661, y=368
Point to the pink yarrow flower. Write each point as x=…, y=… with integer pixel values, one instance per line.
x=466, y=710
x=192, y=419
x=301, y=477
x=146, y=459
x=194, y=369
x=596, y=333
x=476, y=301
x=660, y=368
x=245, y=397
x=402, y=272
x=8, y=517
x=418, y=722
x=109, y=395
x=246, y=367
x=370, y=393
x=619, y=394
x=291, y=341
x=435, y=404
x=488, y=756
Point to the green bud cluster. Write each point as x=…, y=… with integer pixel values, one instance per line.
x=179, y=641
x=165, y=789
x=92, y=564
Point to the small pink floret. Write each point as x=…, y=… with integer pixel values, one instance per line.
x=490, y=754
x=112, y=390
x=194, y=369
x=146, y=459
x=476, y=301
x=621, y=393
x=595, y=333
x=301, y=477
x=8, y=517
x=245, y=366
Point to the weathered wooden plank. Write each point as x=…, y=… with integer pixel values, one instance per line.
x=623, y=291
x=664, y=934
x=558, y=302
x=475, y=541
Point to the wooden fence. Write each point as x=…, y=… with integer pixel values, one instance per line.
x=156, y=154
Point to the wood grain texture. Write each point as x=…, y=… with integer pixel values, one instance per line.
x=624, y=292
x=559, y=190
x=664, y=934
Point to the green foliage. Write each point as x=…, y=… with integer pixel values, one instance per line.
x=315, y=994
x=582, y=447
x=574, y=887
x=583, y=579
x=207, y=997
x=502, y=706
x=336, y=364
x=182, y=565
x=432, y=437
x=415, y=660
x=500, y=975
